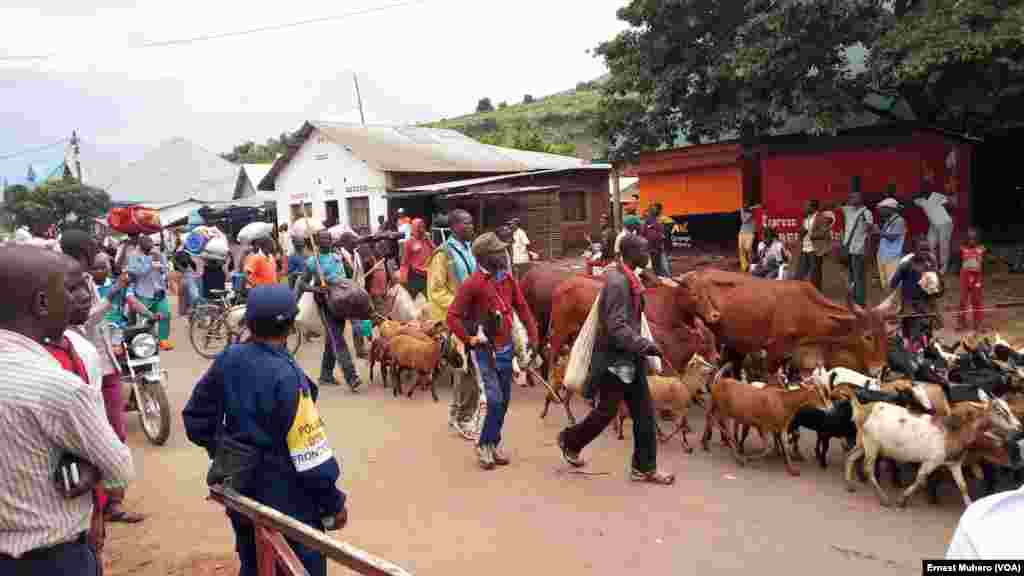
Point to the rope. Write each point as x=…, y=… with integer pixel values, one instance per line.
x=958, y=312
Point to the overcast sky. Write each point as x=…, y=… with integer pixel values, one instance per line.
x=417, y=62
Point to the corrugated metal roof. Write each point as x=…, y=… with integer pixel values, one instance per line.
x=174, y=171
x=502, y=192
x=418, y=149
x=442, y=186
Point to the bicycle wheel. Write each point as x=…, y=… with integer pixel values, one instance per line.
x=208, y=331
x=294, y=338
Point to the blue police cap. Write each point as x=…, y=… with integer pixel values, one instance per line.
x=271, y=302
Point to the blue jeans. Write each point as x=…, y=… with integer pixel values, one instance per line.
x=336, y=350
x=857, y=278
x=496, y=379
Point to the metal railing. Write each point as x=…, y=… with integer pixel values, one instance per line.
x=272, y=527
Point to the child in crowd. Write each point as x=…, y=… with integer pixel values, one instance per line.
x=971, y=255
x=921, y=286
x=771, y=255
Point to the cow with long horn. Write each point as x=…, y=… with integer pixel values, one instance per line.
x=751, y=314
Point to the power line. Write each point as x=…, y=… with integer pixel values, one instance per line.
x=221, y=35
x=31, y=150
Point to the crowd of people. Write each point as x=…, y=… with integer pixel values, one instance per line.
x=256, y=408
x=901, y=263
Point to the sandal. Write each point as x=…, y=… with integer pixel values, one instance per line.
x=123, y=516
x=571, y=458
x=653, y=477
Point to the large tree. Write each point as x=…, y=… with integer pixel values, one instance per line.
x=65, y=203
x=703, y=69
x=252, y=153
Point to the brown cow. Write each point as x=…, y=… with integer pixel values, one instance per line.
x=749, y=314
x=538, y=286
x=678, y=341
x=539, y=283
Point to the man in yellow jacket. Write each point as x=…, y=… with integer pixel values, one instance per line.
x=449, y=266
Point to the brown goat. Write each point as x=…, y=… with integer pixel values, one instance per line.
x=674, y=393
x=769, y=409
x=416, y=353
x=379, y=354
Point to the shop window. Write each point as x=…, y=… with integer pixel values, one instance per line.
x=359, y=214
x=331, y=207
x=574, y=205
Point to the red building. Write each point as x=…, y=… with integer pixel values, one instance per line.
x=703, y=186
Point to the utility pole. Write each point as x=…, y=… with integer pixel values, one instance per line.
x=74, y=152
x=359, y=99
x=616, y=200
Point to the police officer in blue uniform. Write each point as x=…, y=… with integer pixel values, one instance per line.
x=256, y=395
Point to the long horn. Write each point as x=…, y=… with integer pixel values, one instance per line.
x=891, y=305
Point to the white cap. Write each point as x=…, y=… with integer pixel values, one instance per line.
x=889, y=203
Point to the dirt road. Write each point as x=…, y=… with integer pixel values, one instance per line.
x=418, y=499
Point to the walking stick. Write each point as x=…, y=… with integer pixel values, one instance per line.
x=536, y=376
x=323, y=284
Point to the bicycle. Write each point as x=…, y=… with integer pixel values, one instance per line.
x=214, y=325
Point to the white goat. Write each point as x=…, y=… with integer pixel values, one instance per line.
x=891, y=431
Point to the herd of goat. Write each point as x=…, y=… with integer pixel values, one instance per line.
x=946, y=408
x=940, y=407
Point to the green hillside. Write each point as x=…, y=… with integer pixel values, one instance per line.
x=561, y=123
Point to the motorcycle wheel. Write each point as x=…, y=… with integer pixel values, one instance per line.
x=154, y=413
x=207, y=331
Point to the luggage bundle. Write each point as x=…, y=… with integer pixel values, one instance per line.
x=207, y=242
x=134, y=220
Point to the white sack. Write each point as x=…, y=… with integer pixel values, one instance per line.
x=577, y=370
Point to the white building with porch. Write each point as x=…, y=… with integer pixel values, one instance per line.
x=340, y=172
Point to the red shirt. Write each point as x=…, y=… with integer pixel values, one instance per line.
x=479, y=296
x=417, y=254
x=72, y=362
x=69, y=359
x=377, y=281
x=971, y=258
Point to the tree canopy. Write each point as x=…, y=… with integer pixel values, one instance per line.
x=253, y=153
x=55, y=202
x=484, y=105
x=704, y=69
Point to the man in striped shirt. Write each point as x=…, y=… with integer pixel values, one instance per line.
x=46, y=413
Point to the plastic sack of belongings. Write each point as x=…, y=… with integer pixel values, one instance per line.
x=304, y=228
x=255, y=230
x=134, y=220
x=583, y=349
x=207, y=242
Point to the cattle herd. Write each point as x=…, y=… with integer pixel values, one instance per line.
x=779, y=357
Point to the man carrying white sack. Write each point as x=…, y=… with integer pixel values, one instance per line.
x=618, y=368
x=940, y=224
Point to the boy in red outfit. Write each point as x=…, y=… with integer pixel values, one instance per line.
x=971, y=255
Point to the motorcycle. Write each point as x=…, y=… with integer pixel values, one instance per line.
x=137, y=353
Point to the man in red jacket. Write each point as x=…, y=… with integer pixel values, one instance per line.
x=481, y=316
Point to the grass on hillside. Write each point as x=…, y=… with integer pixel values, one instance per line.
x=566, y=117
